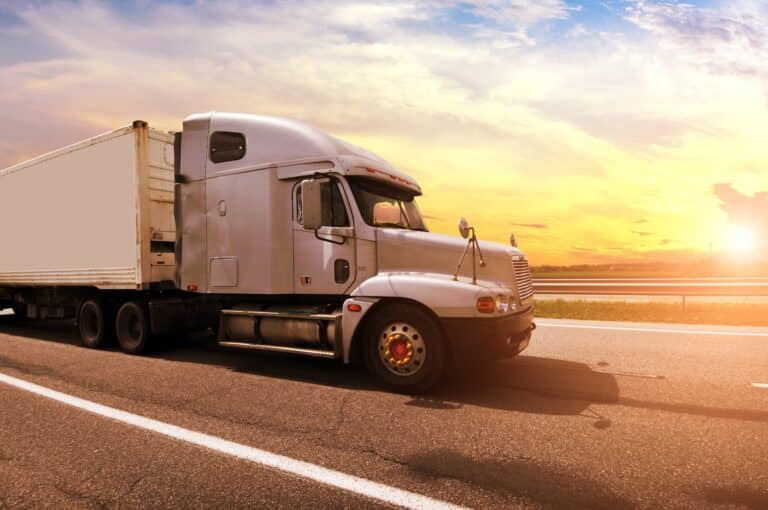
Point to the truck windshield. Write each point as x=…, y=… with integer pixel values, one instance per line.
x=382, y=205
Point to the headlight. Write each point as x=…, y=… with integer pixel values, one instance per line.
x=502, y=304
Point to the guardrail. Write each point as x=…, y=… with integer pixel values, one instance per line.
x=756, y=286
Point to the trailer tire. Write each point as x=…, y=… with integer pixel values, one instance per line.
x=95, y=323
x=132, y=327
x=404, y=348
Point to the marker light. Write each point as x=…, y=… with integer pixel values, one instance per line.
x=486, y=304
x=502, y=303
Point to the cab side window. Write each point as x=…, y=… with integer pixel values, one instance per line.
x=334, y=213
x=226, y=146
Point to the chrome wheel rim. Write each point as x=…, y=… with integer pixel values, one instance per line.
x=401, y=349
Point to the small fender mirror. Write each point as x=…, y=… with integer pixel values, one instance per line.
x=464, y=228
x=311, y=204
x=512, y=240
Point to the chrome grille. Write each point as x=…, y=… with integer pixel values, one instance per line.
x=523, y=278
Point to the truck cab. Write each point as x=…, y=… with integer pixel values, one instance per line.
x=311, y=245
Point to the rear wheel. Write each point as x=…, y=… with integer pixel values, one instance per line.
x=95, y=323
x=404, y=349
x=132, y=326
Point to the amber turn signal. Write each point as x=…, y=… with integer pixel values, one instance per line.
x=486, y=304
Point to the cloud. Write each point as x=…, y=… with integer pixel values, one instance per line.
x=531, y=225
x=578, y=30
x=524, y=12
x=642, y=234
x=638, y=130
x=732, y=39
x=743, y=209
x=489, y=104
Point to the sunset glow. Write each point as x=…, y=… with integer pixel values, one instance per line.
x=742, y=240
x=598, y=132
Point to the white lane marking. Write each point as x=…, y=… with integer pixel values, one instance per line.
x=628, y=374
x=360, y=486
x=760, y=385
x=653, y=330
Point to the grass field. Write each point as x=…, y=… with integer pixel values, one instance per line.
x=739, y=314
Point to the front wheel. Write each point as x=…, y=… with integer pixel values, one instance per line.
x=132, y=327
x=404, y=349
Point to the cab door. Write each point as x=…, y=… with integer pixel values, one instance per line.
x=324, y=259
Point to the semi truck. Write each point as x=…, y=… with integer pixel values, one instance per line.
x=277, y=236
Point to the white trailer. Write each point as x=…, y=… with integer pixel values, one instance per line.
x=97, y=213
x=278, y=236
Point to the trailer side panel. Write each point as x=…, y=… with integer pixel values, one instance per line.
x=70, y=217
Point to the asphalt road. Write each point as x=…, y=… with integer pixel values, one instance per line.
x=593, y=415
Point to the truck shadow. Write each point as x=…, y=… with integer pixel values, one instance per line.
x=741, y=495
x=514, y=479
x=534, y=385
x=59, y=331
x=523, y=384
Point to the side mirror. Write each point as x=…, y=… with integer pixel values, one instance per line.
x=464, y=228
x=512, y=240
x=311, y=204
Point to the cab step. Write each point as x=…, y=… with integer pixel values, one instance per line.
x=315, y=353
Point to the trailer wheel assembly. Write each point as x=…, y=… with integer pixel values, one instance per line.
x=405, y=350
x=94, y=323
x=132, y=326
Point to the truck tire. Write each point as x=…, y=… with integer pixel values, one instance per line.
x=404, y=349
x=132, y=327
x=95, y=323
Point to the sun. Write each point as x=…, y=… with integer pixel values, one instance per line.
x=741, y=240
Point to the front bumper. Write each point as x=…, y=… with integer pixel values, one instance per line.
x=491, y=338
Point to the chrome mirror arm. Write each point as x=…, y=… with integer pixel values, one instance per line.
x=476, y=253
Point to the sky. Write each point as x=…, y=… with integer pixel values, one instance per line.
x=597, y=131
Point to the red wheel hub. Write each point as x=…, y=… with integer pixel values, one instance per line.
x=399, y=350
